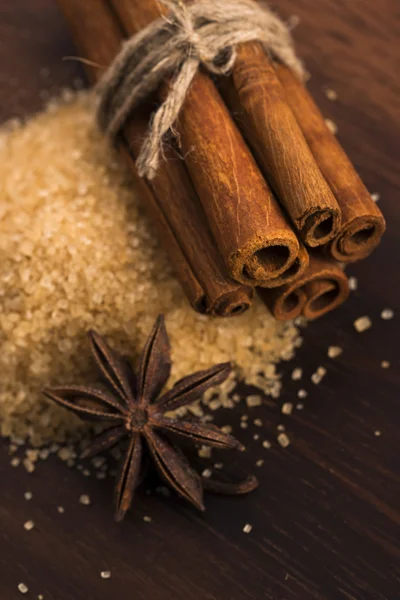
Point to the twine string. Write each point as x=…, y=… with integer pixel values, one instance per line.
x=204, y=33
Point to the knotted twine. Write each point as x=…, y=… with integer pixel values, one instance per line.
x=203, y=33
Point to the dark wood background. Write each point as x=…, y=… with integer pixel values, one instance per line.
x=326, y=516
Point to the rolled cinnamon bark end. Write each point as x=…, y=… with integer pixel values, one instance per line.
x=231, y=304
x=324, y=295
x=322, y=288
x=264, y=259
x=285, y=303
x=362, y=222
x=358, y=238
x=257, y=100
x=296, y=270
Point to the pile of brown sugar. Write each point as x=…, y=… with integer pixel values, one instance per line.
x=77, y=253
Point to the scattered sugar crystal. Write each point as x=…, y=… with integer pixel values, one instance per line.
x=219, y=465
x=302, y=393
x=377, y=433
x=318, y=376
x=84, y=499
x=266, y=444
x=259, y=462
x=387, y=314
x=105, y=574
x=244, y=424
x=66, y=453
x=299, y=406
x=29, y=525
x=362, y=324
x=281, y=427
x=375, y=197
x=247, y=528
x=28, y=495
x=207, y=473
x=287, y=408
x=353, y=283
x=86, y=473
x=297, y=374
x=283, y=440
x=334, y=351
x=331, y=126
x=98, y=461
x=147, y=519
x=204, y=451
x=23, y=588
x=331, y=94
x=29, y=466
x=214, y=404
x=15, y=462
x=256, y=436
x=60, y=509
x=258, y=422
x=253, y=400
x=385, y=364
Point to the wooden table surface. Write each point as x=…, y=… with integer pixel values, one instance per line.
x=326, y=516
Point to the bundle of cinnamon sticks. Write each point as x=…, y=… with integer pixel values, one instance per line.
x=265, y=197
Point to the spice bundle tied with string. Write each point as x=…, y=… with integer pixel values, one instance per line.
x=245, y=183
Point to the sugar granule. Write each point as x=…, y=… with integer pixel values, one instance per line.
x=387, y=314
x=283, y=440
x=23, y=588
x=84, y=499
x=29, y=525
x=331, y=94
x=287, y=408
x=318, y=376
x=105, y=574
x=362, y=324
x=334, y=351
x=353, y=283
x=331, y=125
x=247, y=528
x=297, y=374
x=147, y=519
x=78, y=253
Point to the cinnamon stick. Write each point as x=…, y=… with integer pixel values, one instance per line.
x=362, y=222
x=188, y=281
x=256, y=98
x=322, y=288
x=252, y=234
x=171, y=201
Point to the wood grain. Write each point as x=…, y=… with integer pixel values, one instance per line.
x=326, y=516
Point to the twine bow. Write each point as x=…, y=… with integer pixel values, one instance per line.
x=203, y=33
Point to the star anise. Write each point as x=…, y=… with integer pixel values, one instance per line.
x=134, y=406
